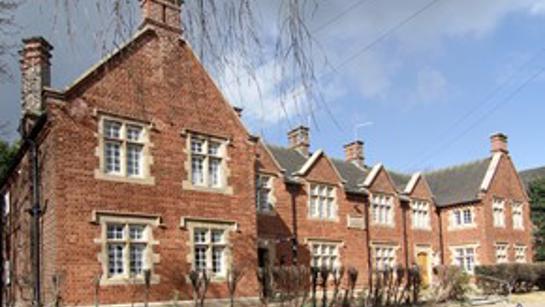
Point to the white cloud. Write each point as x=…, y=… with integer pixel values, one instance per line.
x=259, y=94
x=538, y=7
x=376, y=69
x=431, y=85
x=380, y=72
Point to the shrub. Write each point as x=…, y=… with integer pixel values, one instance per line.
x=453, y=284
x=539, y=269
x=519, y=277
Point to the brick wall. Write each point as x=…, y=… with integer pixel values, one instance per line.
x=181, y=90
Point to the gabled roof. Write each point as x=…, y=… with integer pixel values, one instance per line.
x=400, y=180
x=530, y=175
x=292, y=162
x=106, y=59
x=289, y=159
x=409, y=188
x=309, y=163
x=458, y=184
x=353, y=175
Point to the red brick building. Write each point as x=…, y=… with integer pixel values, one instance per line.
x=144, y=166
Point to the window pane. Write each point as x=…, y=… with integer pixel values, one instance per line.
x=215, y=172
x=467, y=216
x=217, y=236
x=112, y=129
x=137, y=258
x=115, y=259
x=200, y=258
x=114, y=231
x=134, y=133
x=134, y=160
x=136, y=232
x=457, y=217
x=112, y=155
x=200, y=235
x=214, y=149
x=313, y=207
x=217, y=259
x=197, y=145
x=197, y=165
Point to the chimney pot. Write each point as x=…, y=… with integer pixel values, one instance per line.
x=498, y=143
x=299, y=139
x=164, y=13
x=354, y=152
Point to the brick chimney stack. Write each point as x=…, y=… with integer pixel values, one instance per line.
x=498, y=143
x=35, y=75
x=164, y=13
x=354, y=153
x=299, y=139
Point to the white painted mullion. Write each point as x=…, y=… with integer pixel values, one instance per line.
x=206, y=161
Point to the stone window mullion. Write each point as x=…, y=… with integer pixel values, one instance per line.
x=208, y=245
x=126, y=251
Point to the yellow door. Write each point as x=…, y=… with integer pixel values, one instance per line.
x=423, y=265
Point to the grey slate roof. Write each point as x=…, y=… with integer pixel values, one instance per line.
x=400, y=180
x=353, y=174
x=453, y=185
x=289, y=159
x=530, y=175
x=457, y=184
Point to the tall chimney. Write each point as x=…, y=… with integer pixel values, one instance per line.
x=354, y=153
x=498, y=143
x=35, y=75
x=299, y=139
x=165, y=13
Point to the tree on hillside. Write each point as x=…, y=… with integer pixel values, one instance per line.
x=7, y=153
x=537, y=200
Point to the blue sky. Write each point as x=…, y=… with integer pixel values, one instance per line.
x=435, y=89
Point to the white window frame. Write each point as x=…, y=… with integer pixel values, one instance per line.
x=210, y=246
x=459, y=218
x=207, y=156
x=325, y=251
x=384, y=256
x=125, y=142
x=466, y=260
x=382, y=209
x=520, y=253
x=192, y=224
x=518, y=215
x=421, y=214
x=322, y=202
x=150, y=259
x=498, y=212
x=265, y=201
x=502, y=252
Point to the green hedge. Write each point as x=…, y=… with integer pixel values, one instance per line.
x=516, y=277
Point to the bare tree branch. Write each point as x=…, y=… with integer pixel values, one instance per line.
x=7, y=28
x=226, y=34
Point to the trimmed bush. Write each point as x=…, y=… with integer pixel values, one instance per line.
x=514, y=277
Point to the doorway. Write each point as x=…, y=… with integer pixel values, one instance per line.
x=423, y=261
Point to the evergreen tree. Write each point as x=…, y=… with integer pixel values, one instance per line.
x=537, y=200
x=7, y=153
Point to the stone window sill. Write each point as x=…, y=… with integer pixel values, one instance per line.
x=121, y=179
x=186, y=185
